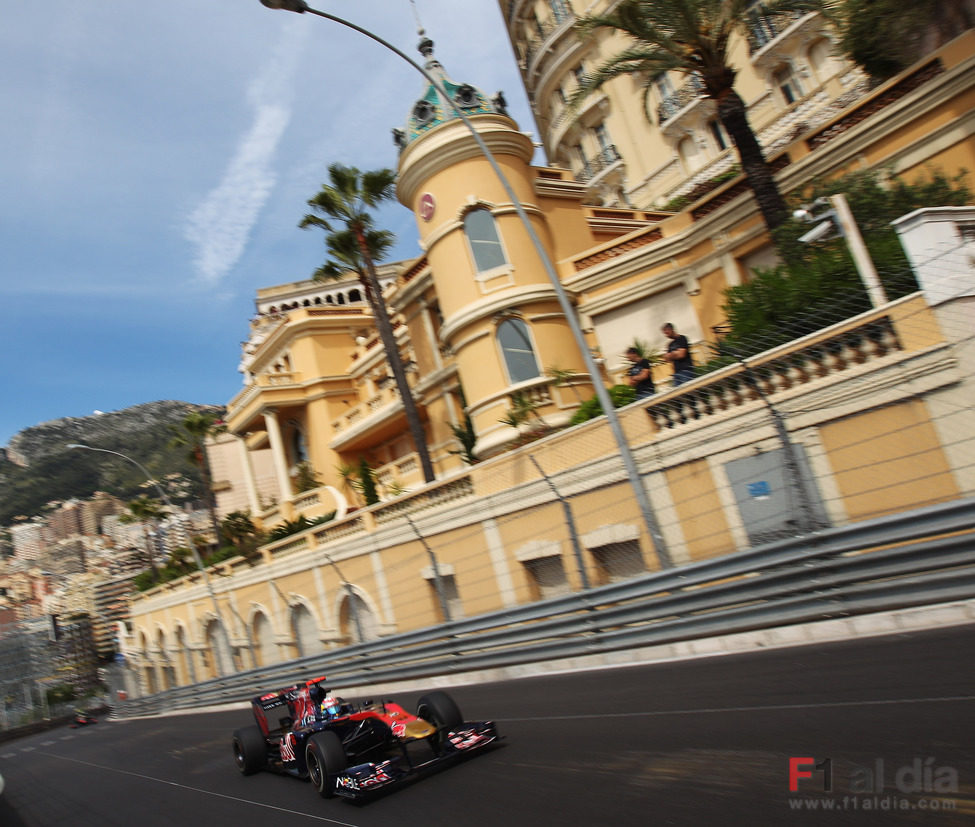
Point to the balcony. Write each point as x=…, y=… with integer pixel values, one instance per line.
x=872, y=337
x=549, y=32
x=764, y=28
x=597, y=166
x=674, y=104
x=772, y=37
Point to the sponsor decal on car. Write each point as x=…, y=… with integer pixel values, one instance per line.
x=288, y=747
x=467, y=738
x=379, y=776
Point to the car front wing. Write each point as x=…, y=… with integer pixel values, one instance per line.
x=362, y=779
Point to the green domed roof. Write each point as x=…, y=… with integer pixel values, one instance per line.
x=432, y=109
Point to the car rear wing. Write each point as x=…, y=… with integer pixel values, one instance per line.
x=277, y=711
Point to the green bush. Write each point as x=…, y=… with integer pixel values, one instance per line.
x=817, y=285
x=621, y=395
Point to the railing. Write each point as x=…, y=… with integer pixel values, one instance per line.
x=764, y=28
x=545, y=31
x=601, y=161
x=385, y=396
x=689, y=91
x=740, y=384
x=282, y=378
x=910, y=559
x=306, y=500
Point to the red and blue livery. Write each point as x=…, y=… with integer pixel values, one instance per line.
x=353, y=749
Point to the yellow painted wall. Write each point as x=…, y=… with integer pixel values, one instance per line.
x=888, y=460
x=699, y=509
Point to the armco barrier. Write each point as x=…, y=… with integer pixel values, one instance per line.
x=909, y=559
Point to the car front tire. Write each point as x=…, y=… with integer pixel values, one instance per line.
x=440, y=710
x=325, y=758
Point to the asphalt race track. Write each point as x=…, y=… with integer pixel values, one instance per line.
x=706, y=741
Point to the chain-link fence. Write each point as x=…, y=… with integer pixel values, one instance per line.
x=45, y=670
x=852, y=419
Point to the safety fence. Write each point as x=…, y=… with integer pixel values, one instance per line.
x=46, y=669
x=922, y=557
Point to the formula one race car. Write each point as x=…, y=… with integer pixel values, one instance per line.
x=348, y=749
x=82, y=718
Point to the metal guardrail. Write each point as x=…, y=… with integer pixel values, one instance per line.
x=915, y=558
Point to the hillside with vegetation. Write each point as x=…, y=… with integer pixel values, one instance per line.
x=37, y=467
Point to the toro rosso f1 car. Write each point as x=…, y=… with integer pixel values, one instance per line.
x=348, y=749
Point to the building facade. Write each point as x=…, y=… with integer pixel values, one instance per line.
x=874, y=405
x=646, y=152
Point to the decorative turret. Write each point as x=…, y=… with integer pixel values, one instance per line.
x=432, y=109
x=487, y=300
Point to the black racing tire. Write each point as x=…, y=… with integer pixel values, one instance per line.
x=440, y=710
x=250, y=750
x=325, y=758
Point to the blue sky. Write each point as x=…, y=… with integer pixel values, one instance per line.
x=155, y=160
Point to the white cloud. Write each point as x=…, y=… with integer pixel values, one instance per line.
x=221, y=224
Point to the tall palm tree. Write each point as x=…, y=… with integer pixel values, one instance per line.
x=145, y=510
x=692, y=37
x=353, y=242
x=192, y=433
x=887, y=36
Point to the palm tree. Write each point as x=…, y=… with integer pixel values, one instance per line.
x=887, y=36
x=692, y=37
x=240, y=531
x=355, y=244
x=350, y=480
x=145, y=510
x=192, y=433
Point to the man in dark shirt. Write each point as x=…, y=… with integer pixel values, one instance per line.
x=679, y=354
x=638, y=375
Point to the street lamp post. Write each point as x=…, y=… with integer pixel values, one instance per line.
x=189, y=541
x=839, y=219
x=629, y=463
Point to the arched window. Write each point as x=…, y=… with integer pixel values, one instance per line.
x=305, y=629
x=265, y=652
x=516, y=346
x=299, y=446
x=788, y=83
x=482, y=235
x=356, y=619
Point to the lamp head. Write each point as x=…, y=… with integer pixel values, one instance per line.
x=287, y=5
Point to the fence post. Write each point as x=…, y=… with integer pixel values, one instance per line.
x=437, y=581
x=570, y=520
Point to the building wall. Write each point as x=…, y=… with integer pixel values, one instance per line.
x=498, y=529
x=867, y=424
x=642, y=156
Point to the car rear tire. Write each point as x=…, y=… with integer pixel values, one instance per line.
x=325, y=758
x=250, y=750
x=440, y=710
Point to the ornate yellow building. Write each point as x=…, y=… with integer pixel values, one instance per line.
x=480, y=330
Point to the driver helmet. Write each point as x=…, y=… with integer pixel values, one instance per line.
x=332, y=705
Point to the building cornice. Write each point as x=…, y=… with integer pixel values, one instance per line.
x=451, y=143
x=510, y=299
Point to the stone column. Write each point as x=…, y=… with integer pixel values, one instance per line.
x=249, y=483
x=278, y=454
